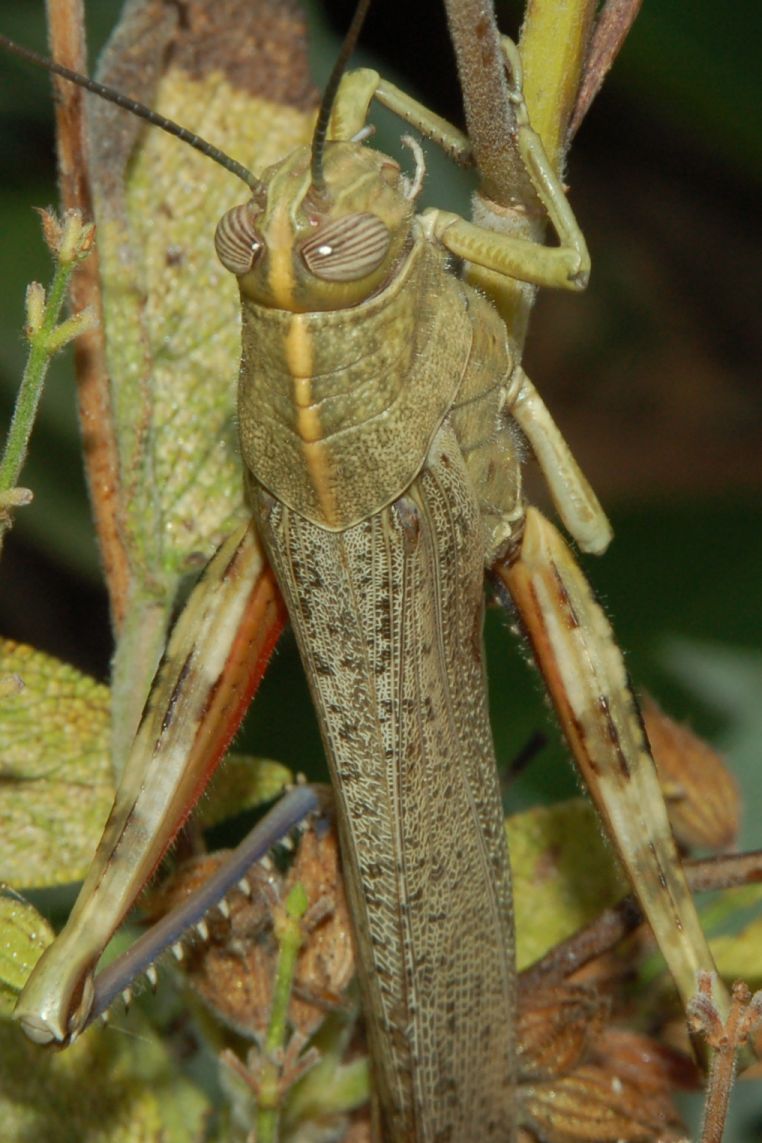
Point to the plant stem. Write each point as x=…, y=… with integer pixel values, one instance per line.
x=554, y=41
x=490, y=119
x=289, y=933
x=28, y=399
x=70, y=242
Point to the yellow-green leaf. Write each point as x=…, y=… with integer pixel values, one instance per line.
x=172, y=326
x=55, y=776
x=564, y=874
x=739, y=957
x=24, y=934
x=242, y=783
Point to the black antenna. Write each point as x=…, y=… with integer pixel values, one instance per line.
x=139, y=109
x=326, y=103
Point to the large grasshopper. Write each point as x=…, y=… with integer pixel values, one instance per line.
x=381, y=405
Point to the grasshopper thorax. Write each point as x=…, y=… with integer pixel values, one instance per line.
x=298, y=249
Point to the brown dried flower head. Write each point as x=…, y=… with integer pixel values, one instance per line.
x=234, y=969
x=702, y=795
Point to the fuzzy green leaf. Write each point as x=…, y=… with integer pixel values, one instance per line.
x=55, y=777
x=24, y=935
x=172, y=313
x=242, y=783
x=564, y=874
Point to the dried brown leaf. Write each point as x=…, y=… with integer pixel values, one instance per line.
x=702, y=795
x=595, y=1104
x=557, y=1026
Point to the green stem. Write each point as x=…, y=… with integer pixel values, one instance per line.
x=70, y=241
x=289, y=933
x=554, y=41
x=553, y=44
x=32, y=382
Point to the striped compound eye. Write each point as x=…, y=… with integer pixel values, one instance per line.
x=347, y=249
x=236, y=240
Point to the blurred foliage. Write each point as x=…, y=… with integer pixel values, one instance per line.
x=104, y=1089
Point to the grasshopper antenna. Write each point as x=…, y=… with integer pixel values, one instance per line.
x=329, y=95
x=139, y=109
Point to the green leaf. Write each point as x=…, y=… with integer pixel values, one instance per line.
x=564, y=874
x=171, y=313
x=739, y=956
x=56, y=787
x=24, y=935
x=105, y=1088
x=242, y=783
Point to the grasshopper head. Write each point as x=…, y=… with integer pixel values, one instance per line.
x=294, y=248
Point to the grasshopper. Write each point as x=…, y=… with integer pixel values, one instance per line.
x=381, y=407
